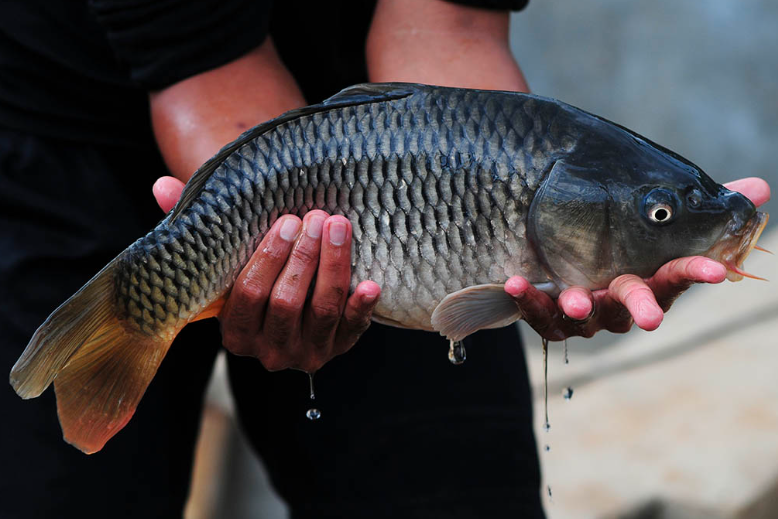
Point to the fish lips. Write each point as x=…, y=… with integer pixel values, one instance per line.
x=736, y=244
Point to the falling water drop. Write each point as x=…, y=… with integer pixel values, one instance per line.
x=546, y=425
x=567, y=360
x=567, y=393
x=456, y=352
x=550, y=497
x=547, y=448
x=312, y=413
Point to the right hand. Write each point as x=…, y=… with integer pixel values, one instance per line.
x=269, y=314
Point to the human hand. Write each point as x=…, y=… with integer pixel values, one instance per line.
x=628, y=299
x=269, y=314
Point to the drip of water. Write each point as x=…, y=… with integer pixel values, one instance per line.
x=456, y=352
x=550, y=497
x=312, y=413
x=567, y=393
x=310, y=384
x=546, y=425
x=547, y=448
x=567, y=361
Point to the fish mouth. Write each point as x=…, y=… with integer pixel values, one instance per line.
x=736, y=244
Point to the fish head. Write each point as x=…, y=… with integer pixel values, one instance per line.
x=632, y=209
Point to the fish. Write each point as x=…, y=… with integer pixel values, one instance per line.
x=449, y=191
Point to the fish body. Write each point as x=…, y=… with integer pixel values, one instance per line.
x=449, y=192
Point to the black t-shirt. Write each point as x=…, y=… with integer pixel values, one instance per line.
x=81, y=70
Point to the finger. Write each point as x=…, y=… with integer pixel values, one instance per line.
x=675, y=277
x=537, y=308
x=287, y=300
x=611, y=315
x=167, y=191
x=332, y=283
x=356, y=316
x=243, y=312
x=637, y=297
x=577, y=303
x=754, y=188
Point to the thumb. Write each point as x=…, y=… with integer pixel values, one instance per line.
x=167, y=191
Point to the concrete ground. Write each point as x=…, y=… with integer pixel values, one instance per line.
x=680, y=423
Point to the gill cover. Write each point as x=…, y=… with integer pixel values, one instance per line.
x=570, y=226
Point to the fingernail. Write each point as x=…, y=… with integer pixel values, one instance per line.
x=289, y=229
x=313, y=228
x=514, y=291
x=369, y=298
x=337, y=233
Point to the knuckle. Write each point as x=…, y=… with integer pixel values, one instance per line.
x=637, y=293
x=251, y=292
x=313, y=363
x=325, y=313
x=284, y=308
x=236, y=346
x=304, y=255
x=273, y=361
x=275, y=255
x=278, y=333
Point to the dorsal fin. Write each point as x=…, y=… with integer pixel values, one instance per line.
x=355, y=95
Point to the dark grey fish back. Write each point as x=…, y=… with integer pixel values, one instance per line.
x=437, y=186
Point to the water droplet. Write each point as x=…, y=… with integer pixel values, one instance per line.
x=310, y=385
x=550, y=497
x=547, y=448
x=313, y=414
x=456, y=352
x=567, y=393
x=567, y=361
x=546, y=425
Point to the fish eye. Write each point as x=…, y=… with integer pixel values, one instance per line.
x=660, y=213
x=694, y=198
x=659, y=206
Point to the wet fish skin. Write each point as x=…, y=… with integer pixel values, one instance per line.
x=449, y=192
x=436, y=185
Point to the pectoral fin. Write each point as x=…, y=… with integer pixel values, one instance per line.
x=474, y=308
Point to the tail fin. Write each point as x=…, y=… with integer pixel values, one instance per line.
x=100, y=366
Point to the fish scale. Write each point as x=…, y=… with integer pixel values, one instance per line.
x=436, y=186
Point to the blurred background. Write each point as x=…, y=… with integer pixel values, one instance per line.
x=681, y=423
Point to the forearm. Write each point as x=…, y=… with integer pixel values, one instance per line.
x=194, y=118
x=440, y=43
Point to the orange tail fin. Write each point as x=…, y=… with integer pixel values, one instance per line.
x=100, y=366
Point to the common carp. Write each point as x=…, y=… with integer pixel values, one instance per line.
x=449, y=191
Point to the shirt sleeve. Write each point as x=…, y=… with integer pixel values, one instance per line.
x=162, y=42
x=503, y=5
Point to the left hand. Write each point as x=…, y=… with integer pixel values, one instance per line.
x=628, y=299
